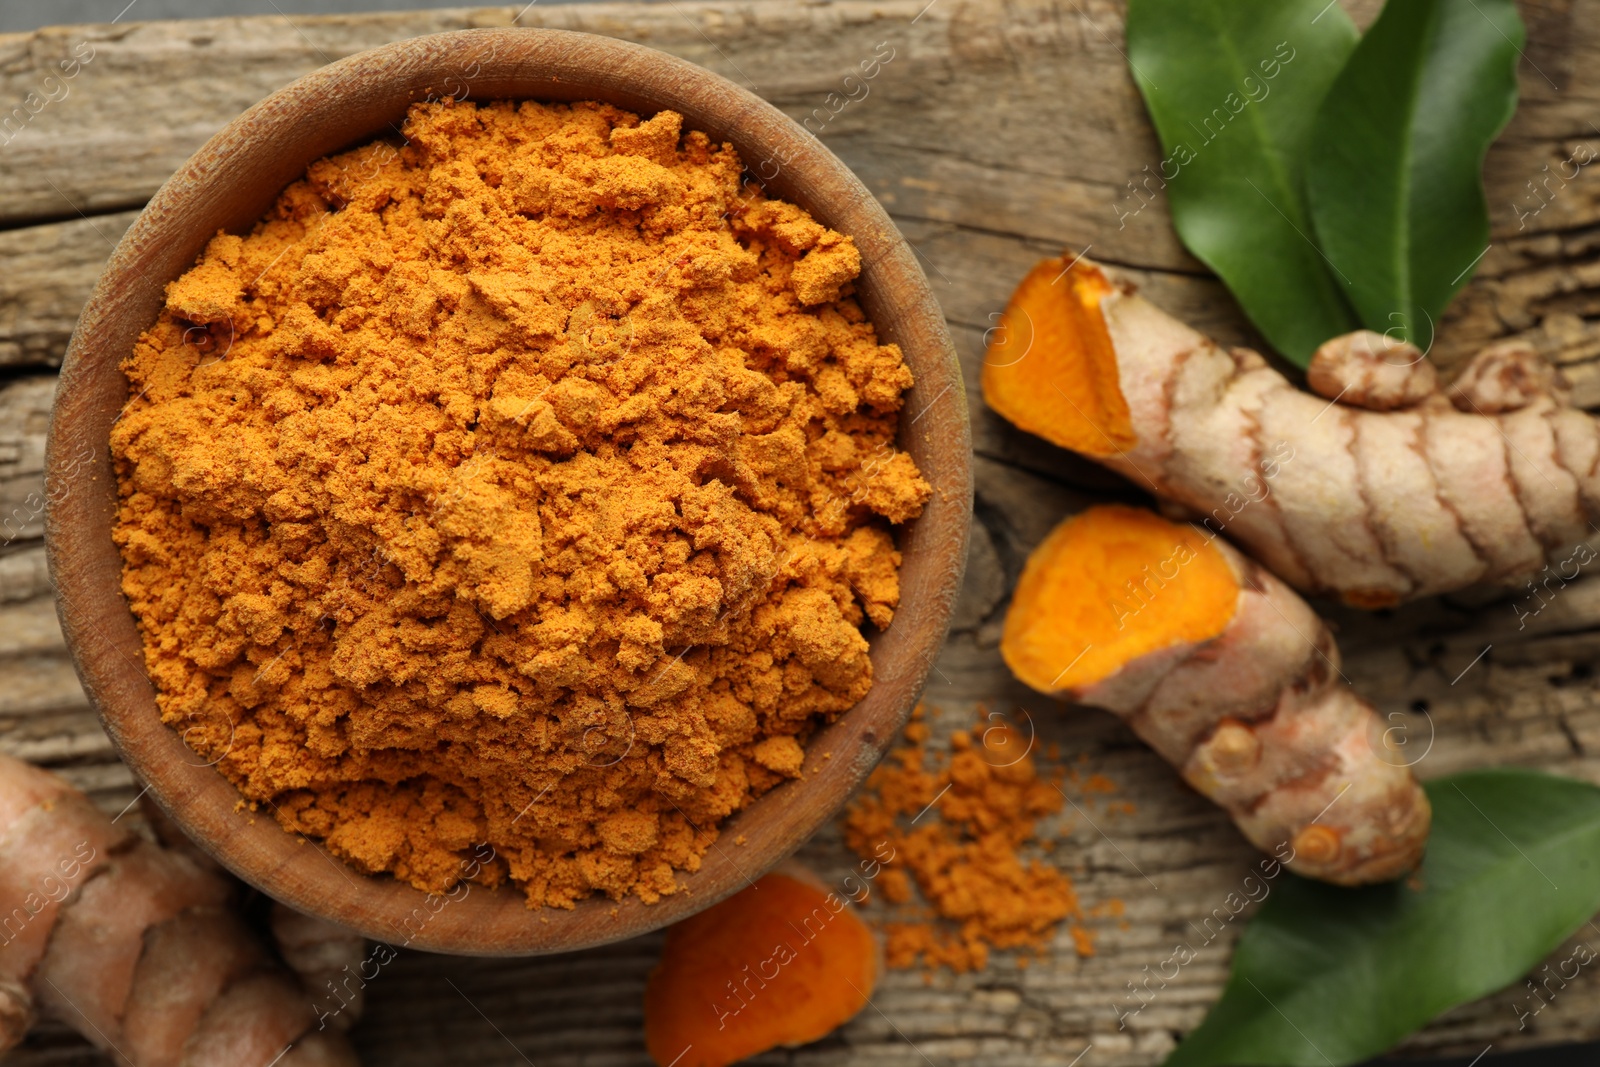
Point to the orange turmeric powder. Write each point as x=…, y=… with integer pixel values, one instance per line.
x=957, y=832
x=511, y=485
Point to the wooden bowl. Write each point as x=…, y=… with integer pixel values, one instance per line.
x=228, y=185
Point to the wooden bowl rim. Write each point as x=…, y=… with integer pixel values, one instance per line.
x=346, y=103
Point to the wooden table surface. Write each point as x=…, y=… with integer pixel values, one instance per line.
x=996, y=134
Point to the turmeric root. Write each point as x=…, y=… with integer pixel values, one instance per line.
x=326, y=957
x=784, y=962
x=1230, y=676
x=135, y=945
x=1384, y=489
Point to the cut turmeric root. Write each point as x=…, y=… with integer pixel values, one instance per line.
x=784, y=962
x=1230, y=676
x=1381, y=489
x=135, y=945
x=1051, y=370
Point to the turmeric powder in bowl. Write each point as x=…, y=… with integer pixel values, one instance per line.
x=528, y=483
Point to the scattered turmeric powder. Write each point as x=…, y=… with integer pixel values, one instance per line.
x=975, y=815
x=527, y=483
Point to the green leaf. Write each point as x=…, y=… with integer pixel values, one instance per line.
x=1325, y=976
x=1233, y=87
x=1395, y=171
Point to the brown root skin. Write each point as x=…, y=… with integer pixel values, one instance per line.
x=136, y=945
x=1506, y=376
x=326, y=957
x=1256, y=717
x=1369, y=370
x=1427, y=496
x=16, y=1014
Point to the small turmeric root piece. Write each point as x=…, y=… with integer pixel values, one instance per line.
x=784, y=962
x=1381, y=489
x=135, y=945
x=1230, y=676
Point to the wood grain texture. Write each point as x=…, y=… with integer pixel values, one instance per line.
x=997, y=133
x=49, y=272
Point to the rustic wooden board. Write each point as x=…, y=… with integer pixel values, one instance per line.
x=996, y=134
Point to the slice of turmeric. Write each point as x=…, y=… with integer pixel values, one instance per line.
x=1228, y=674
x=1078, y=612
x=784, y=962
x=1050, y=367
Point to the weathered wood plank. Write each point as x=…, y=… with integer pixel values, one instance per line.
x=49, y=271
x=24, y=416
x=996, y=134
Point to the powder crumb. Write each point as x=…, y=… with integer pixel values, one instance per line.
x=966, y=862
x=629, y=832
x=782, y=755
x=895, y=885
x=528, y=483
x=1113, y=908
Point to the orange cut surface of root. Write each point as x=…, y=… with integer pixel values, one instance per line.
x=1050, y=368
x=784, y=962
x=1108, y=586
